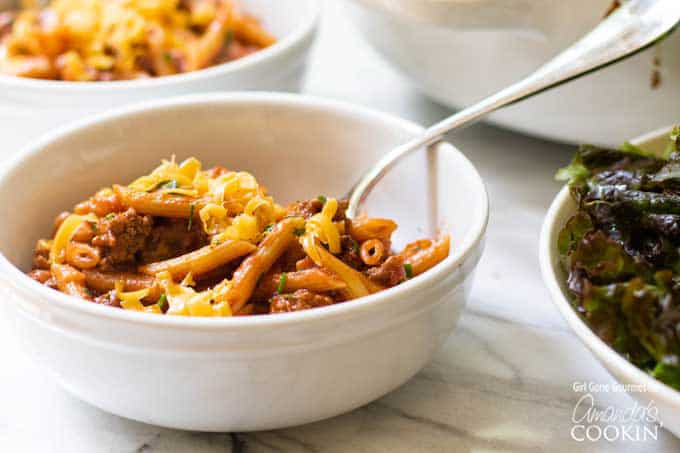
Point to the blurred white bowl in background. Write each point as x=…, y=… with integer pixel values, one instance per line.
x=460, y=51
x=29, y=107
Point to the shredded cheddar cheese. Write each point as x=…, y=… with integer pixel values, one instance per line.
x=321, y=226
x=233, y=205
x=133, y=300
x=89, y=40
x=183, y=300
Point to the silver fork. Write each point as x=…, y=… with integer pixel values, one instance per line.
x=636, y=25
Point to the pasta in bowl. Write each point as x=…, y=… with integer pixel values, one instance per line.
x=98, y=77
x=100, y=40
x=183, y=241
x=231, y=373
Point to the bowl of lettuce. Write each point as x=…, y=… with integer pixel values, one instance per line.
x=610, y=257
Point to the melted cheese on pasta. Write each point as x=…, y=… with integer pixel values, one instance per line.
x=234, y=205
x=133, y=300
x=183, y=300
x=80, y=40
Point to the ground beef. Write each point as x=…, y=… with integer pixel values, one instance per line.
x=308, y=208
x=121, y=237
x=389, y=273
x=109, y=299
x=350, y=252
x=342, y=209
x=301, y=299
x=291, y=256
x=6, y=22
x=40, y=275
x=305, y=208
x=170, y=238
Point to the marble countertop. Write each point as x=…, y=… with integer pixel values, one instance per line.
x=502, y=382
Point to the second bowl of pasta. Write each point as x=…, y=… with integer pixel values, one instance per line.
x=202, y=269
x=71, y=58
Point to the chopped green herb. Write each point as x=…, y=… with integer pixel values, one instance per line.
x=228, y=38
x=409, y=270
x=322, y=199
x=299, y=231
x=269, y=228
x=110, y=216
x=282, y=283
x=192, y=208
x=163, y=302
x=167, y=57
x=169, y=185
x=355, y=245
x=93, y=225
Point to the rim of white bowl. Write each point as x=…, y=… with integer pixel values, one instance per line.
x=551, y=279
x=289, y=41
x=460, y=251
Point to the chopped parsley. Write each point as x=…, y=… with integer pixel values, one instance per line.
x=282, y=283
x=93, y=225
x=354, y=245
x=110, y=216
x=269, y=228
x=163, y=302
x=172, y=184
x=322, y=199
x=299, y=231
x=228, y=38
x=167, y=57
x=409, y=270
x=192, y=207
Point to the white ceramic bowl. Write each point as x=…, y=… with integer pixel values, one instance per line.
x=29, y=107
x=665, y=398
x=460, y=51
x=246, y=373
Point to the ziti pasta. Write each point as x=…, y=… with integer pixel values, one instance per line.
x=187, y=241
x=98, y=40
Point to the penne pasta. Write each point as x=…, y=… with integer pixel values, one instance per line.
x=248, y=29
x=372, y=252
x=364, y=228
x=269, y=250
x=423, y=258
x=70, y=281
x=357, y=284
x=156, y=203
x=247, y=309
x=200, y=261
x=205, y=50
x=81, y=256
x=314, y=279
x=103, y=282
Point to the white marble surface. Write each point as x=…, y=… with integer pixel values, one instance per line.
x=503, y=381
